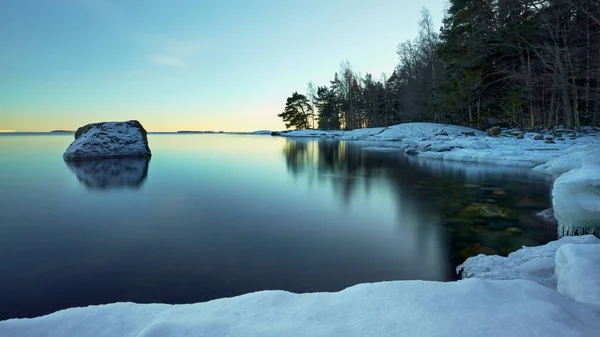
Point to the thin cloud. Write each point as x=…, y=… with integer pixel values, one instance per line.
x=171, y=52
x=167, y=61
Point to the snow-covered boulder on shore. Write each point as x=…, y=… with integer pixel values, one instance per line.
x=109, y=140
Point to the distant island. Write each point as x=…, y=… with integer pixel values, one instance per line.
x=191, y=131
x=62, y=131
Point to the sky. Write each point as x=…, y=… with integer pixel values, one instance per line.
x=186, y=64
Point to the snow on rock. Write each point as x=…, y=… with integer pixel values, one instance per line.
x=572, y=158
x=425, y=130
x=405, y=131
x=529, y=263
x=578, y=272
x=360, y=134
x=109, y=140
x=110, y=173
x=457, y=143
x=576, y=191
x=400, y=308
x=261, y=132
x=576, y=201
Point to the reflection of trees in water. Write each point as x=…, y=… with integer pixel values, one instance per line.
x=344, y=164
x=432, y=188
x=350, y=171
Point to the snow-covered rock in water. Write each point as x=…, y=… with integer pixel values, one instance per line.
x=536, y=264
x=109, y=140
x=110, y=173
x=578, y=272
x=401, y=308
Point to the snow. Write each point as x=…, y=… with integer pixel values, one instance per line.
x=572, y=158
x=576, y=201
x=471, y=307
x=576, y=191
x=570, y=265
x=578, y=272
x=362, y=133
x=425, y=130
x=458, y=143
x=109, y=140
x=528, y=263
x=261, y=132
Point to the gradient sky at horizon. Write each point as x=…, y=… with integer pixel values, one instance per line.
x=186, y=64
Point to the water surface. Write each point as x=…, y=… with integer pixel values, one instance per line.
x=218, y=215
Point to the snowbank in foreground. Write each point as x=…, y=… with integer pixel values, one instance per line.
x=570, y=265
x=403, y=308
x=578, y=272
x=536, y=264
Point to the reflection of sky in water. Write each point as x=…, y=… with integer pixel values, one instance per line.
x=475, y=172
x=216, y=216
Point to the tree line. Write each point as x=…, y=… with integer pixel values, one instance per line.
x=517, y=63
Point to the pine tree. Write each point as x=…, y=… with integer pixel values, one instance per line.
x=297, y=112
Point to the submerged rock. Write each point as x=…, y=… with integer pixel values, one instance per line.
x=547, y=215
x=515, y=230
x=486, y=211
x=109, y=140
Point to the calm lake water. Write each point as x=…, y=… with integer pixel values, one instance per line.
x=212, y=216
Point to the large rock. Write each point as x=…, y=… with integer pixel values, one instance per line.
x=495, y=131
x=109, y=140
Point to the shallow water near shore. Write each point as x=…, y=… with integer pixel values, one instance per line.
x=219, y=215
